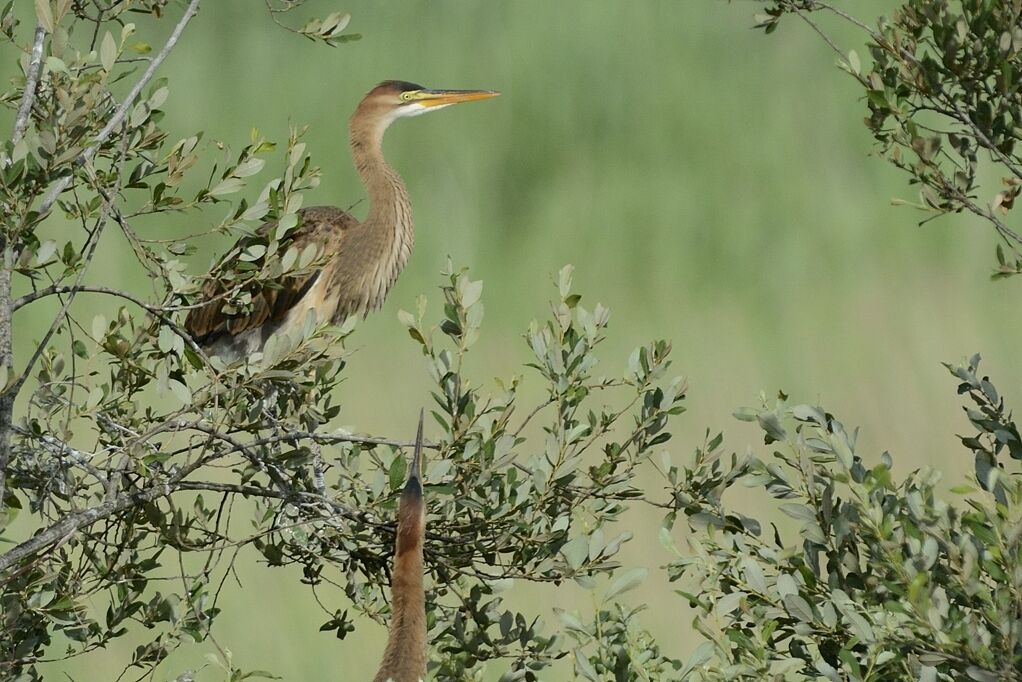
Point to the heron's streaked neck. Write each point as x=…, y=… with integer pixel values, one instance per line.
x=404, y=659
x=389, y=205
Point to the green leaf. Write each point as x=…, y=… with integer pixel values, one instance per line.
x=799, y=608
x=799, y=511
x=576, y=551
x=702, y=654
x=583, y=667
x=157, y=99
x=754, y=575
x=108, y=52
x=564, y=280
x=99, y=328
x=45, y=252
x=44, y=14
x=166, y=339
x=56, y=65
x=853, y=62
x=626, y=581
x=227, y=186
x=406, y=318
x=570, y=621
x=248, y=167
x=396, y=475
x=181, y=392
x=471, y=292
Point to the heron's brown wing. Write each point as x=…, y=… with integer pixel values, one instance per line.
x=322, y=226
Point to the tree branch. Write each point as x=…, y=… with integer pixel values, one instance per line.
x=253, y=491
x=122, y=110
x=6, y=311
x=63, y=530
x=31, y=81
x=64, y=451
x=295, y=436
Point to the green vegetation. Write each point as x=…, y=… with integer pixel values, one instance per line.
x=710, y=187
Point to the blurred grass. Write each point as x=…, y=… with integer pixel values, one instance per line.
x=710, y=185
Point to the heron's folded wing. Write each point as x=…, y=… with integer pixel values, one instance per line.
x=271, y=300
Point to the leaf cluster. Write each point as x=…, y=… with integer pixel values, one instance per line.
x=943, y=90
x=872, y=578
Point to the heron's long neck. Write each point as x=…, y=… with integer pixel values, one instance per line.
x=404, y=659
x=390, y=211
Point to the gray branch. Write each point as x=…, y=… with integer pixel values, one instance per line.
x=296, y=436
x=336, y=509
x=122, y=110
x=6, y=312
x=65, y=452
x=63, y=530
x=31, y=81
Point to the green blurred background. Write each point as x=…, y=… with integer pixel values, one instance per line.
x=710, y=185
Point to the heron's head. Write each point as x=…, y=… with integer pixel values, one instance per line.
x=391, y=100
x=411, y=515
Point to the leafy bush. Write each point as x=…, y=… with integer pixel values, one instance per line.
x=130, y=452
x=135, y=456
x=883, y=579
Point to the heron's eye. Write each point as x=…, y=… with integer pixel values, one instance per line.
x=406, y=96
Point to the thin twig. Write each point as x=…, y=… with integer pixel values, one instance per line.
x=301, y=496
x=155, y=311
x=12, y=389
x=260, y=463
x=293, y=436
x=521, y=427
x=122, y=110
x=848, y=17
x=89, y=249
x=61, y=531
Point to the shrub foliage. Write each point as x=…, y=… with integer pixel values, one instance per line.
x=135, y=470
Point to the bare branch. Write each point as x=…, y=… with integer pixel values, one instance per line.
x=294, y=436
x=336, y=508
x=269, y=468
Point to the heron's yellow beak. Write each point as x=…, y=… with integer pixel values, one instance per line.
x=432, y=98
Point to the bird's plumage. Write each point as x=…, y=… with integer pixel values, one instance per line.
x=360, y=261
x=276, y=304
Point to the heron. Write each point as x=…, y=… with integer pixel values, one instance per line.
x=360, y=260
x=404, y=658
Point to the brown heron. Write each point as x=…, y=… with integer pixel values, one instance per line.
x=361, y=261
x=404, y=659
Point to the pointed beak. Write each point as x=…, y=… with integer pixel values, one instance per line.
x=415, y=470
x=432, y=98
